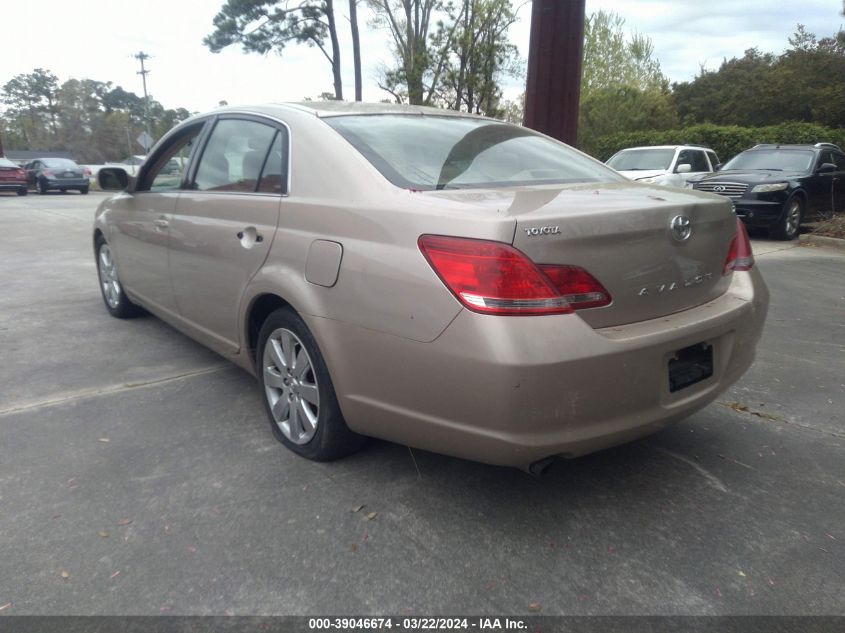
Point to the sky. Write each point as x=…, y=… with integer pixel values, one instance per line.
x=96, y=40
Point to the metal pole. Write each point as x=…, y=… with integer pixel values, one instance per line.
x=141, y=56
x=555, y=52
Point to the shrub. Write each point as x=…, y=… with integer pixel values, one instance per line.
x=726, y=140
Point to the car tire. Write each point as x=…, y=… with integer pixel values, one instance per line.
x=297, y=390
x=63, y=190
x=22, y=191
x=788, y=226
x=83, y=190
x=114, y=297
x=41, y=187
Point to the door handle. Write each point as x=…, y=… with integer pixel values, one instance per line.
x=251, y=235
x=161, y=223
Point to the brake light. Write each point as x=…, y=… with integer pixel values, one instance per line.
x=495, y=278
x=577, y=286
x=86, y=171
x=740, y=256
x=47, y=173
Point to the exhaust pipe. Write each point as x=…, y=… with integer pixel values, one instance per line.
x=541, y=466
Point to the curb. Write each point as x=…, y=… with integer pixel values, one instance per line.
x=820, y=240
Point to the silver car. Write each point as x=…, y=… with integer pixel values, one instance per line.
x=441, y=280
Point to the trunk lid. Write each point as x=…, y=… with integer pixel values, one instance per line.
x=621, y=234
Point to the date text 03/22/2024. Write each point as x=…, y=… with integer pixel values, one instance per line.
x=416, y=624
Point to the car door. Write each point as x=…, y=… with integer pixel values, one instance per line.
x=821, y=187
x=697, y=161
x=31, y=170
x=225, y=222
x=839, y=182
x=140, y=222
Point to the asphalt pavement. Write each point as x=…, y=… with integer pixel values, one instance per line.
x=138, y=476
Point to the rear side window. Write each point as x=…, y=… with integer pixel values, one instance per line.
x=235, y=155
x=441, y=152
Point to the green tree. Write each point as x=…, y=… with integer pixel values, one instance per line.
x=479, y=54
x=261, y=26
x=32, y=96
x=622, y=86
x=93, y=120
x=805, y=83
x=416, y=75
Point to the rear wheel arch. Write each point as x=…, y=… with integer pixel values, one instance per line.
x=98, y=235
x=261, y=307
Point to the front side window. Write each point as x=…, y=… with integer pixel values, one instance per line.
x=441, y=152
x=168, y=169
x=235, y=156
x=825, y=157
x=699, y=161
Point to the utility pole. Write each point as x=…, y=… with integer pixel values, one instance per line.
x=141, y=56
x=554, y=68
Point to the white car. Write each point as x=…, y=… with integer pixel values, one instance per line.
x=671, y=165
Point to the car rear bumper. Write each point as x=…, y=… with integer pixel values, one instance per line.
x=515, y=390
x=8, y=184
x=68, y=183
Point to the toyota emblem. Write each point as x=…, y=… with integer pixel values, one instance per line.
x=681, y=228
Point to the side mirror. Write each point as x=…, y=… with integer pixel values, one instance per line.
x=113, y=179
x=718, y=166
x=826, y=168
x=683, y=168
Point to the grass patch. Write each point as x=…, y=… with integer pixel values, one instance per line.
x=834, y=227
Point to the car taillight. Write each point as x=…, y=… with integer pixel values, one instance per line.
x=86, y=171
x=740, y=256
x=47, y=173
x=495, y=278
x=577, y=286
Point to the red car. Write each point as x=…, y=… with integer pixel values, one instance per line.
x=12, y=177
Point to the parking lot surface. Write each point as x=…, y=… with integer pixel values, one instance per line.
x=138, y=475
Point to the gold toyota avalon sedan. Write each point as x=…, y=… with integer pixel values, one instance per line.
x=442, y=280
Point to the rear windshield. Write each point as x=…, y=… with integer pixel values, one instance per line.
x=772, y=159
x=642, y=159
x=5, y=162
x=442, y=152
x=59, y=163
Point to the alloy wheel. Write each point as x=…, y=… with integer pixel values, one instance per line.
x=108, y=277
x=290, y=385
x=793, y=217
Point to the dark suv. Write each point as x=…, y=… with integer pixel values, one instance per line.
x=779, y=186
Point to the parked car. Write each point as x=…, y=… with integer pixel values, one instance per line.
x=12, y=176
x=669, y=165
x=62, y=174
x=442, y=280
x=778, y=187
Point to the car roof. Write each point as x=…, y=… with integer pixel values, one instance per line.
x=795, y=146
x=325, y=109
x=631, y=149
